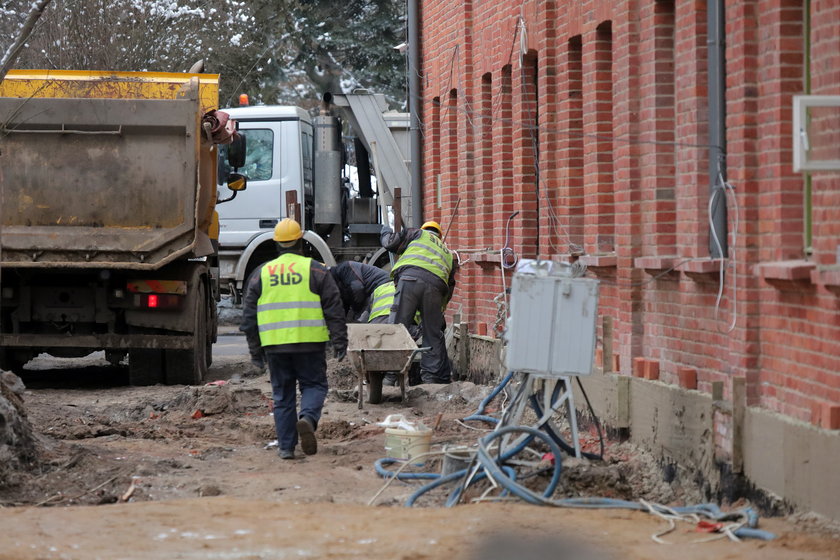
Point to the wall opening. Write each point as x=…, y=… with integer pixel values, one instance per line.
x=529, y=170
x=485, y=194
x=601, y=184
x=575, y=145
x=665, y=226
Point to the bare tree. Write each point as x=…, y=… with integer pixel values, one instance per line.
x=29, y=25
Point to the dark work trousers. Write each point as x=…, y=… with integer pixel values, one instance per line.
x=412, y=294
x=309, y=369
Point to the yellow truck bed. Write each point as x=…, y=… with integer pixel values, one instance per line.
x=109, y=85
x=105, y=169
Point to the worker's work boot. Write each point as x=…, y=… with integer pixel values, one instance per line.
x=306, y=433
x=287, y=454
x=390, y=380
x=434, y=379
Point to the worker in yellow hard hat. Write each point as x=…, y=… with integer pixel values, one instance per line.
x=291, y=308
x=424, y=275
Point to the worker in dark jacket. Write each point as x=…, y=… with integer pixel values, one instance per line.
x=291, y=309
x=425, y=278
x=356, y=283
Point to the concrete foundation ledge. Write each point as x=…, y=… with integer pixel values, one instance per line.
x=765, y=453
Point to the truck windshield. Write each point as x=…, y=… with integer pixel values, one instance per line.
x=259, y=156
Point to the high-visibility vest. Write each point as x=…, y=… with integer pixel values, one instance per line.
x=429, y=253
x=288, y=312
x=382, y=301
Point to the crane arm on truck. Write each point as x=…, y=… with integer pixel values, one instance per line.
x=365, y=112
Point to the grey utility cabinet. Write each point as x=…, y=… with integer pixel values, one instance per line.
x=551, y=326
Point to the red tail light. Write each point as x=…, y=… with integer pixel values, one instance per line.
x=157, y=301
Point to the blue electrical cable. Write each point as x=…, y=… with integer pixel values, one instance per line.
x=493, y=469
x=384, y=473
x=479, y=415
x=505, y=475
x=498, y=389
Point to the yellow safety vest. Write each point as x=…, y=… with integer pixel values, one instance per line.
x=383, y=300
x=429, y=253
x=288, y=312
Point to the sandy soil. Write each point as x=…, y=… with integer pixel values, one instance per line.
x=184, y=472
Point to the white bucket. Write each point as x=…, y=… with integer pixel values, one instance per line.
x=407, y=444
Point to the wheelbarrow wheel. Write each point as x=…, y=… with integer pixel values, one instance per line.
x=375, y=386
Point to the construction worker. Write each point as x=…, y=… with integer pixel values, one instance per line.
x=380, y=312
x=356, y=283
x=381, y=303
x=425, y=278
x=291, y=309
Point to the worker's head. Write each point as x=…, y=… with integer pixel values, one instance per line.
x=287, y=233
x=432, y=227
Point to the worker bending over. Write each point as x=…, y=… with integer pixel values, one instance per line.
x=380, y=312
x=425, y=278
x=356, y=283
x=291, y=309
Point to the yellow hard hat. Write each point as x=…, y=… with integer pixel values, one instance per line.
x=287, y=230
x=432, y=225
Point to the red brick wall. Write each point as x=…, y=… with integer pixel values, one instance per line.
x=590, y=119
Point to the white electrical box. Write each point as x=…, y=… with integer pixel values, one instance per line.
x=552, y=320
x=816, y=120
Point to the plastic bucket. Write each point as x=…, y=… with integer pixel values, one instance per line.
x=456, y=458
x=407, y=444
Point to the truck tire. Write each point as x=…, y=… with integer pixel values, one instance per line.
x=212, y=330
x=145, y=367
x=375, y=386
x=189, y=367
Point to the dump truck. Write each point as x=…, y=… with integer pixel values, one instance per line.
x=297, y=167
x=108, y=222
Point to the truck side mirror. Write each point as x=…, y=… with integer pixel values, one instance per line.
x=236, y=152
x=235, y=182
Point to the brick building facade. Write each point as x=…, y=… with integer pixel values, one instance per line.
x=590, y=119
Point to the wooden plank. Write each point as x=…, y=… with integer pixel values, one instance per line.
x=622, y=414
x=398, y=223
x=464, y=349
x=739, y=406
x=607, y=338
x=717, y=390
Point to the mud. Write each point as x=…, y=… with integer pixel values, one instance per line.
x=188, y=472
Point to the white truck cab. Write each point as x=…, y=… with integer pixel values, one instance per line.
x=295, y=168
x=279, y=170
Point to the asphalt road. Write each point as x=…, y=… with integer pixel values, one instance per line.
x=231, y=342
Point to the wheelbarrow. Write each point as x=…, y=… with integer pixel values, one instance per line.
x=376, y=349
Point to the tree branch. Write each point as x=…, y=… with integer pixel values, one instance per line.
x=12, y=53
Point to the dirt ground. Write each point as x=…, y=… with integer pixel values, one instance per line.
x=185, y=472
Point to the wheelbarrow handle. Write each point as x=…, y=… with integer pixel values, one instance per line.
x=411, y=357
x=418, y=350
